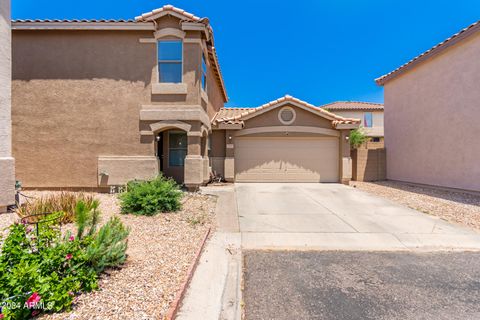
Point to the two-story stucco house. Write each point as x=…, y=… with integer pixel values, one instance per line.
x=7, y=176
x=431, y=115
x=99, y=102
x=370, y=114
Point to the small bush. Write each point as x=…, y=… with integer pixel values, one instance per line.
x=151, y=197
x=109, y=246
x=357, y=138
x=65, y=202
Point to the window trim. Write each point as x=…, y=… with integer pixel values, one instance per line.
x=365, y=119
x=169, y=39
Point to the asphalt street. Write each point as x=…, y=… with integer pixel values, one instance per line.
x=361, y=285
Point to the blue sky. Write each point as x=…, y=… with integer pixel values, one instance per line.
x=318, y=51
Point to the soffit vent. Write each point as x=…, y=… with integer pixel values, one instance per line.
x=286, y=115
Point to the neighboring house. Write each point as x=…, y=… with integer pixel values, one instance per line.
x=7, y=166
x=97, y=103
x=371, y=115
x=431, y=115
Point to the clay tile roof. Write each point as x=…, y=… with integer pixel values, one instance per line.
x=237, y=115
x=229, y=115
x=352, y=105
x=73, y=21
x=471, y=29
x=167, y=8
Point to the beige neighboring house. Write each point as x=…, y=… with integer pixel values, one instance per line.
x=97, y=103
x=7, y=166
x=432, y=107
x=370, y=114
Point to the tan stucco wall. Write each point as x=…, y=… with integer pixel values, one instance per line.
x=7, y=175
x=81, y=95
x=431, y=120
x=215, y=98
x=218, y=143
x=218, y=153
x=368, y=164
x=77, y=96
x=118, y=170
x=303, y=118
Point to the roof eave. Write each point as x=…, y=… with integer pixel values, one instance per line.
x=287, y=99
x=346, y=126
x=82, y=26
x=333, y=110
x=461, y=35
x=220, y=76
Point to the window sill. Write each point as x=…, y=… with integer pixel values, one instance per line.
x=204, y=95
x=169, y=88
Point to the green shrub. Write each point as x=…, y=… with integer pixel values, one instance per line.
x=109, y=246
x=50, y=274
x=151, y=197
x=65, y=202
x=45, y=274
x=86, y=216
x=356, y=138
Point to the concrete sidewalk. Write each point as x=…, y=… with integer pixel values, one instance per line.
x=304, y=216
x=215, y=289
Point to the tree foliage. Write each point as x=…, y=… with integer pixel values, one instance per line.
x=357, y=138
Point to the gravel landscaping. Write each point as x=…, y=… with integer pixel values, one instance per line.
x=457, y=207
x=160, y=251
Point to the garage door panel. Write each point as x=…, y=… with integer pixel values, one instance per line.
x=286, y=159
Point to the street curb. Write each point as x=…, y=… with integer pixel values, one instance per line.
x=175, y=305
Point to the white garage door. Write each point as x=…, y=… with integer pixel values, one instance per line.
x=286, y=159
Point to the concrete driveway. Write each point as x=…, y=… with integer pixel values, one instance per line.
x=338, y=217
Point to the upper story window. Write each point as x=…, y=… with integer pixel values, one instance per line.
x=368, y=120
x=170, y=61
x=204, y=73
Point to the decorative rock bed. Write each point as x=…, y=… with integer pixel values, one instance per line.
x=160, y=251
x=457, y=207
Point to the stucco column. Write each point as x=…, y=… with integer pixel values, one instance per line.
x=193, y=161
x=206, y=162
x=345, y=158
x=7, y=165
x=229, y=165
